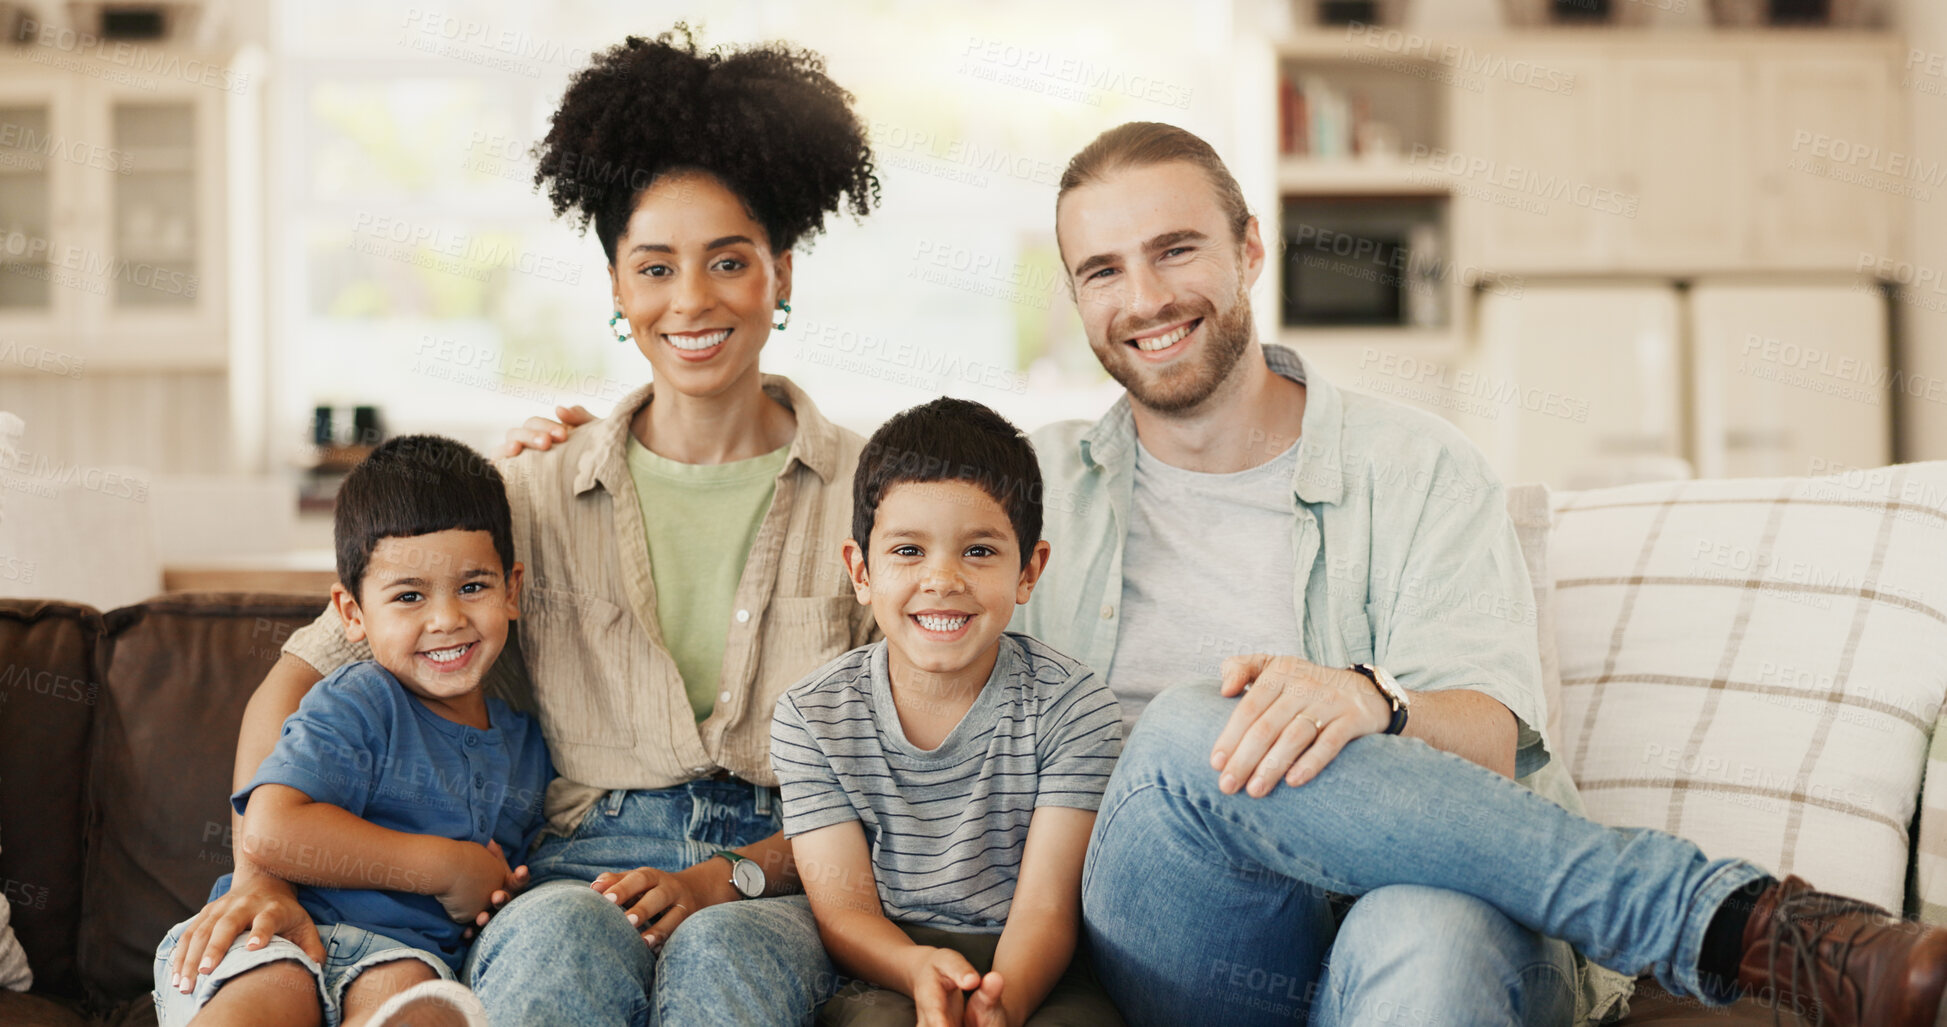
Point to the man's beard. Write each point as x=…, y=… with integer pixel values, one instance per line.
x=1185, y=384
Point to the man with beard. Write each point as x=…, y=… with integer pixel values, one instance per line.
x=1237, y=521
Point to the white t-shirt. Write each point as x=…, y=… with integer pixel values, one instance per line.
x=1208, y=572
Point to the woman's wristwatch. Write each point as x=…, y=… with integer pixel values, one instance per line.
x=1395, y=696
x=745, y=875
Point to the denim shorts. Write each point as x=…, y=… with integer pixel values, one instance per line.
x=349, y=951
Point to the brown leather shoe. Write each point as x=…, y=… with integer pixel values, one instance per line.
x=1843, y=961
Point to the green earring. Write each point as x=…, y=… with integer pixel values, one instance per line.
x=620, y=326
x=786, y=323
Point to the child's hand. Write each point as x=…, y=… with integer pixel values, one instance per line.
x=939, y=978
x=478, y=872
x=516, y=883
x=984, y=1006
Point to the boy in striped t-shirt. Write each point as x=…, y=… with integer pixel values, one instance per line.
x=940, y=785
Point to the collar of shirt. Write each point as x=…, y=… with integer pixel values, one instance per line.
x=606, y=462
x=1319, y=477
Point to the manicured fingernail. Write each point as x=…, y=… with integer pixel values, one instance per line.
x=651, y=940
x=633, y=918
x=176, y=981
x=615, y=898
x=205, y=968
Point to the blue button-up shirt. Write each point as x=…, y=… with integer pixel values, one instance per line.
x=360, y=742
x=1407, y=559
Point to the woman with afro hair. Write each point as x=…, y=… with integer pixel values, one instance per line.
x=683, y=566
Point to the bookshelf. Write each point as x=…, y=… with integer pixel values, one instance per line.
x=1359, y=115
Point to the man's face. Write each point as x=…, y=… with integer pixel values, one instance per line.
x=1162, y=283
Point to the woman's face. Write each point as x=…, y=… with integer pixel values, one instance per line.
x=695, y=276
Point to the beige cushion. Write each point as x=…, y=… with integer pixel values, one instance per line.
x=1755, y=664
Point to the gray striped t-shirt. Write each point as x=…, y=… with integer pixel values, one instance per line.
x=945, y=827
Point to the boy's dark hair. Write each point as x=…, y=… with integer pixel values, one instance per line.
x=765, y=120
x=951, y=440
x=418, y=485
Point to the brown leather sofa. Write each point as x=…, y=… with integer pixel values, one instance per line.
x=116, y=737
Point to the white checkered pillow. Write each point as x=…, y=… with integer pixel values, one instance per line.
x=1757, y=664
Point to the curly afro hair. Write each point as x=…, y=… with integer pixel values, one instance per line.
x=764, y=120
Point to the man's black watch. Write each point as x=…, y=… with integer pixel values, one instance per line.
x=1395, y=696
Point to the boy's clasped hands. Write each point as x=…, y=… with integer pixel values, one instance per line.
x=949, y=992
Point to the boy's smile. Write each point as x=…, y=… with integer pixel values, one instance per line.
x=943, y=575
x=434, y=609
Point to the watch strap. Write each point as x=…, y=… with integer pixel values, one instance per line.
x=1398, y=722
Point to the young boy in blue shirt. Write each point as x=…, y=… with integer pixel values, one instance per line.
x=398, y=789
x=940, y=785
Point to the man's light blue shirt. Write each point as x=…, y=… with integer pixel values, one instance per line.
x=1407, y=556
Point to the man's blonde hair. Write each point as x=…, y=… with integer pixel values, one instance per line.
x=1140, y=144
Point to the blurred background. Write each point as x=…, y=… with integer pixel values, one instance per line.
x=1612, y=240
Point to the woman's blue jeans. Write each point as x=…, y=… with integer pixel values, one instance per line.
x=560, y=953
x=1210, y=908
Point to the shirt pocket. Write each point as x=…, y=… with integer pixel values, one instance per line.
x=803, y=633
x=584, y=664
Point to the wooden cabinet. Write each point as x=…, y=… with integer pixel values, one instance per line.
x=1830, y=169
x=112, y=220
x=1790, y=379
x=1680, y=151
x=1513, y=144
x=1743, y=153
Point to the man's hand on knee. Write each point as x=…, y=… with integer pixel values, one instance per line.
x=1293, y=719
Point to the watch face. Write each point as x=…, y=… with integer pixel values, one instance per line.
x=748, y=878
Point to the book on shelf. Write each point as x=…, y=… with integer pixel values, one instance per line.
x=1317, y=119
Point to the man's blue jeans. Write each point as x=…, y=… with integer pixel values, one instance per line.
x=560, y=953
x=1211, y=908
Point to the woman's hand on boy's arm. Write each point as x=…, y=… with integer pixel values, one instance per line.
x=541, y=433
x=1045, y=917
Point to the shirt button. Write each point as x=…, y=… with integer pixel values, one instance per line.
x=699, y=770
x=743, y=616
x=483, y=823
x=479, y=780
x=723, y=697
x=1108, y=611
x=472, y=740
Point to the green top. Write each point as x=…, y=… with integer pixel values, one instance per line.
x=699, y=520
